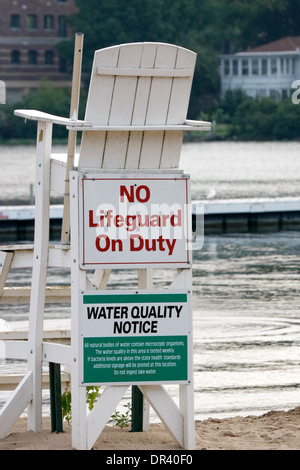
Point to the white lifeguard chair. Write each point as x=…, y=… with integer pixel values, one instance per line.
x=135, y=121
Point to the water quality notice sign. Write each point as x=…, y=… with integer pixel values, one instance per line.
x=135, y=337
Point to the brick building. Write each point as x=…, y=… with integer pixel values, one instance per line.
x=29, y=31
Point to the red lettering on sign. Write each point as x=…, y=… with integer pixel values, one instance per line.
x=138, y=243
x=91, y=220
x=142, y=193
x=114, y=245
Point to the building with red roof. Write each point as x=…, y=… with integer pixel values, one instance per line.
x=266, y=70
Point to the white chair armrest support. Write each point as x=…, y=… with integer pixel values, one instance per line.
x=35, y=115
x=190, y=122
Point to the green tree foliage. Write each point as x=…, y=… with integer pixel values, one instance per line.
x=119, y=21
x=265, y=119
x=186, y=23
x=46, y=98
x=248, y=23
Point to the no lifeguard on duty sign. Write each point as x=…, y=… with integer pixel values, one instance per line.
x=134, y=221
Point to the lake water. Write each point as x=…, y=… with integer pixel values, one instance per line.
x=246, y=296
x=232, y=169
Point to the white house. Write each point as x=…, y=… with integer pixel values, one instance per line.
x=267, y=70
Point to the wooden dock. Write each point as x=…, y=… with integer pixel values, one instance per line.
x=247, y=215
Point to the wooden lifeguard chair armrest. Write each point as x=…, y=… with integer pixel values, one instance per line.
x=187, y=126
x=77, y=124
x=35, y=115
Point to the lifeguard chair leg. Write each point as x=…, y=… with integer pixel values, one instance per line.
x=39, y=272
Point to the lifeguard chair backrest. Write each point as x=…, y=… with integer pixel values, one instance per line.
x=138, y=84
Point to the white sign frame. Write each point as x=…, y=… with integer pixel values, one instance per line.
x=123, y=246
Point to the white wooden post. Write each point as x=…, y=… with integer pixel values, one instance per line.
x=39, y=271
x=17, y=403
x=78, y=283
x=186, y=405
x=145, y=281
x=65, y=232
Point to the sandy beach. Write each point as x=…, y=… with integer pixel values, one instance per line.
x=276, y=430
